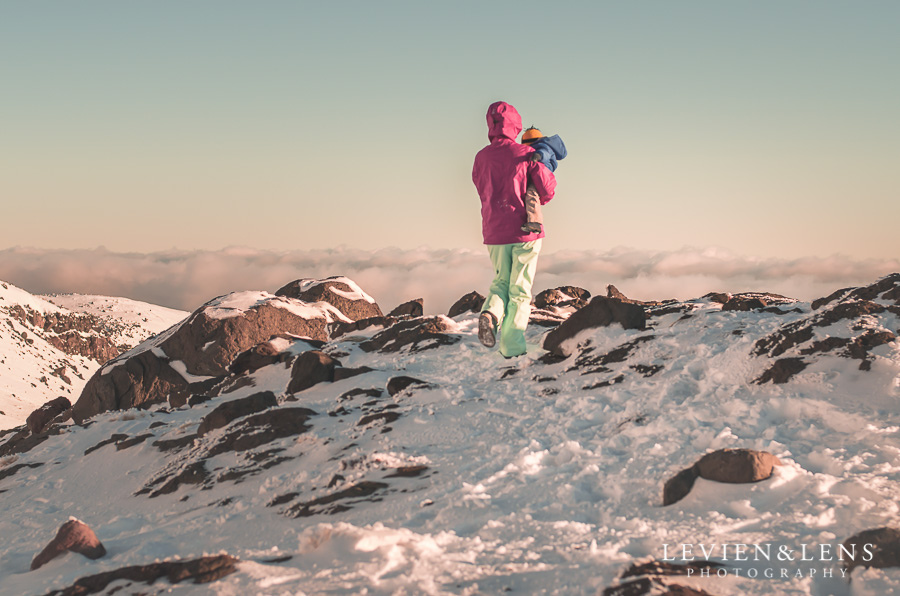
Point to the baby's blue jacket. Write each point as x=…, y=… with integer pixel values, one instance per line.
x=550, y=149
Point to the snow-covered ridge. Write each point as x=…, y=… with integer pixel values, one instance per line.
x=48, y=349
x=440, y=467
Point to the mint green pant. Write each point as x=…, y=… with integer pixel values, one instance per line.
x=509, y=298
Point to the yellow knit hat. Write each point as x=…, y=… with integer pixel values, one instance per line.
x=531, y=135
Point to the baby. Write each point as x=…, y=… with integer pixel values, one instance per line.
x=547, y=150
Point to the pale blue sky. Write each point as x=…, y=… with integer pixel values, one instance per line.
x=766, y=128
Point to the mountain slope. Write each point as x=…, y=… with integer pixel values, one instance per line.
x=432, y=465
x=48, y=350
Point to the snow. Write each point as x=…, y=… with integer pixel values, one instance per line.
x=533, y=486
x=355, y=292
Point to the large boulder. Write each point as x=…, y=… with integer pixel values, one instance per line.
x=886, y=289
x=39, y=419
x=599, y=312
x=340, y=292
x=734, y=466
x=205, y=344
x=471, y=302
x=411, y=308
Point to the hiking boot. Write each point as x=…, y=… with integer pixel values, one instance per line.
x=486, y=324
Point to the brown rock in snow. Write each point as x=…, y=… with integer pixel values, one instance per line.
x=75, y=536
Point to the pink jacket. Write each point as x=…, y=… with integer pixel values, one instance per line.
x=501, y=174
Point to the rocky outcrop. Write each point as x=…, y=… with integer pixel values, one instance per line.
x=412, y=308
x=74, y=536
x=782, y=370
x=599, y=312
x=311, y=368
x=205, y=344
x=397, y=385
x=471, y=302
x=420, y=334
x=41, y=418
x=225, y=413
x=850, y=327
x=733, y=466
x=200, y=571
x=74, y=334
x=886, y=289
x=562, y=296
x=340, y=292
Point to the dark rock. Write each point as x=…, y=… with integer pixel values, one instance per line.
x=357, y=491
x=178, y=443
x=782, y=371
x=340, y=328
x=587, y=358
x=39, y=419
x=430, y=331
x=887, y=288
x=562, y=296
x=194, y=393
x=113, y=439
x=334, y=291
x=202, y=571
x=408, y=471
x=193, y=473
x=599, y=312
x=126, y=443
x=345, y=373
x=311, y=368
x=471, y=302
x=678, y=486
x=720, y=297
x=9, y=471
x=361, y=392
x=249, y=361
x=743, y=304
x=74, y=536
x=257, y=430
x=224, y=413
x=413, y=308
x=388, y=417
x=881, y=544
x=399, y=384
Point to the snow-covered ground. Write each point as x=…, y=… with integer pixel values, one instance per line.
x=489, y=481
x=32, y=371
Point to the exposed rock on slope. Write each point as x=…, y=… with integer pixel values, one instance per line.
x=203, y=346
x=47, y=350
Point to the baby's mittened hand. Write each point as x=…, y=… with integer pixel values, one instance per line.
x=535, y=156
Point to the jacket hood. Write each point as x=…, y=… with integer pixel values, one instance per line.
x=503, y=121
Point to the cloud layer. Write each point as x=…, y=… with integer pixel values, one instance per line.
x=186, y=279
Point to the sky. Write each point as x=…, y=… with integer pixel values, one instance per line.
x=767, y=130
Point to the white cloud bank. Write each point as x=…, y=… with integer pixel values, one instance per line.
x=186, y=279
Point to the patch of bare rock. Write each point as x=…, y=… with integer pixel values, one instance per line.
x=849, y=323
x=199, y=571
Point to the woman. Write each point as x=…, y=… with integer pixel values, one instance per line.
x=501, y=174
